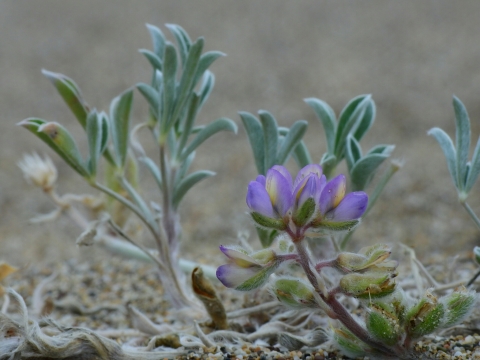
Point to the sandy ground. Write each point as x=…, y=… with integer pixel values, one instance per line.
x=412, y=56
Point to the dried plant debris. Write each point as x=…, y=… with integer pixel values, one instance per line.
x=114, y=310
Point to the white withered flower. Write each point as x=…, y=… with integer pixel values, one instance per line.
x=37, y=171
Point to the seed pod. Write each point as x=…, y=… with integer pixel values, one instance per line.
x=294, y=293
x=426, y=316
x=383, y=325
x=368, y=285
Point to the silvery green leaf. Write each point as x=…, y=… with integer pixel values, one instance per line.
x=222, y=124
x=183, y=169
x=71, y=156
x=366, y=122
x=189, y=121
x=105, y=132
x=462, y=125
x=363, y=171
x=185, y=88
x=169, y=85
x=474, y=168
x=301, y=155
x=270, y=138
x=205, y=61
x=95, y=138
x=327, y=116
x=448, y=150
x=187, y=183
x=138, y=200
x=382, y=149
x=183, y=41
x=254, y=130
x=292, y=139
x=151, y=95
x=353, y=153
x=120, y=109
x=154, y=170
x=383, y=326
x=158, y=40
x=350, y=117
x=70, y=93
x=152, y=58
x=207, y=87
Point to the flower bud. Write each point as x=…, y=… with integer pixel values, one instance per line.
x=294, y=293
x=383, y=325
x=425, y=316
x=458, y=305
x=349, y=344
x=371, y=257
x=368, y=285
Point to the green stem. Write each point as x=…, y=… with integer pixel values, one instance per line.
x=474, y=217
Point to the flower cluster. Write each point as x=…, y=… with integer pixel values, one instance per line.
x=278, y=202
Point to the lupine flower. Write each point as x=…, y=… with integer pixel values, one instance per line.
x=338, y=211
x=247, y=271
x=275, y=199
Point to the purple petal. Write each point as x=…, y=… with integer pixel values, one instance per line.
x=239, y=257
x=351, y=207
x=332, y=194
x=258, y=199
x=280, y=191
x=308, y=191
x=285, y=173
x=314, y=169
x=261, y=179
x=233, y=276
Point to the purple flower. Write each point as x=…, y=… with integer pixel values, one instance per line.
x=335, y=207
x=247, y=271
x=271, y=196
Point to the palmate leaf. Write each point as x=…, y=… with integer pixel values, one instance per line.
x=254, y=130
x=353, y=153
x=70, y=93
x=59, y=140
x=205, y=61
x=153, y=58
x=151, y=95
x=449, y=151
x=363, y=171
x=169, y=84
x=183, y=40
x=462, y=125
x=97, y=134
x=349, y=118
x=158, y=40
x=120, y=109
x=222, y=124
x=301, y=154
x=270, y=137
x=187, y=183
x=366, y=121
x=327, y=117
x=291, y=141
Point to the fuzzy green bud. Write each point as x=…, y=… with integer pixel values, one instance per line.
x=349, y=344
x=368, y=285
x=458, y=305
x=294, y=293
x=425, y=316
x=383, y=325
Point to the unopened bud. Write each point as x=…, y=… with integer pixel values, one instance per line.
x=367, y=285
x=425, y=316
x=458, y=305
x=294, y=293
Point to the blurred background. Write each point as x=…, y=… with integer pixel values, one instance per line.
x=411, y=56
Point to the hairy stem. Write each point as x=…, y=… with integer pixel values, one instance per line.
x=337, y=310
